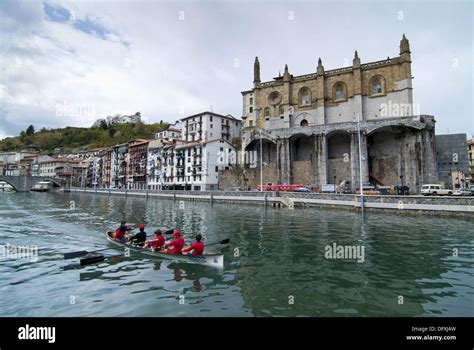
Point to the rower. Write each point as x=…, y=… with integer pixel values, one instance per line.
x=121, y=231
x=177, y=244
x=156, y=243
x=140, y=237
x=197, y=248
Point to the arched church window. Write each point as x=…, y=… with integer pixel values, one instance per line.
x=304, y=96
x=377, y=85
x=340, y=91
x=304, y=123
x=266, y=112
x=281, y=110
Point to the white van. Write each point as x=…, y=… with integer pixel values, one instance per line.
x=435, y=190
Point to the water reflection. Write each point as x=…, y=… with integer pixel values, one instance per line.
x=280, y=255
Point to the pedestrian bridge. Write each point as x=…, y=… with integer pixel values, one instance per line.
x=26, y=183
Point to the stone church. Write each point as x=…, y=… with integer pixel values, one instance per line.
x=308, y=126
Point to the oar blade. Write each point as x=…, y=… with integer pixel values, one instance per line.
x=92, y=260
x=73, y=255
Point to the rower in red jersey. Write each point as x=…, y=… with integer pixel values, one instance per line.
x=157, y=243
x=121, y=231
x=197, y=248
x=177, y=244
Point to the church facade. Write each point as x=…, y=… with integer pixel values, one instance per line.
x=308, y=126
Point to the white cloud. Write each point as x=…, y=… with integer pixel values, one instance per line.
x=155, y=63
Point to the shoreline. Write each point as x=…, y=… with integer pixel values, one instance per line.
x=417, y=205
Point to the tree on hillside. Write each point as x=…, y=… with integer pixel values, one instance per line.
x=30, y=130
x=103, y=124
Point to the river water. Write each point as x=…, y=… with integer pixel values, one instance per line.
x=277, y=262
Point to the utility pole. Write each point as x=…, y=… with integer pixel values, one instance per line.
x=360, y=165
x=261, y=162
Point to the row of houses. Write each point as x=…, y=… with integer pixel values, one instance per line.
x=188, y=155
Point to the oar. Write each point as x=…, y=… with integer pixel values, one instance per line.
x=224, y=241
x=79, y=253
x=97, y=259
x=168, y=232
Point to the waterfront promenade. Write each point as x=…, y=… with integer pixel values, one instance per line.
x=444, y=205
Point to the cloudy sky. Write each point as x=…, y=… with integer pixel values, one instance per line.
x=69, y=63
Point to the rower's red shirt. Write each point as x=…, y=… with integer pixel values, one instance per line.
x=197, y=248
x=120, y=234
x=156, y=243
x=177, y=245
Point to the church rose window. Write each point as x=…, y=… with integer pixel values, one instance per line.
x=274, y=98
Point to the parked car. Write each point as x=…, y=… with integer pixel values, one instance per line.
x=471, y=189
x=435, y=190
x=462, y=192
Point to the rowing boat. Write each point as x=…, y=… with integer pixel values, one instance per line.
x=208, y=259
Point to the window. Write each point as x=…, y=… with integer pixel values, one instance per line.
x=210, y=118
x=266, y=112
x=304, y=123
x=377, y=85
x=250, y=109
x=340, y=91
x=251, y=101
x=250, y=122
x=304, y=96
x=217, y=169
x=221, y=149
x=211, y=126
x=281, y=110
x=210, y=134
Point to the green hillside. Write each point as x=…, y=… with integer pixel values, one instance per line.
x=74, y=139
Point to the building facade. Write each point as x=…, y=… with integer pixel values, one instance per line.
x=470, y=151
x=309, y=126
x=119, y=165
x=195, y=165
x=137, y=165
x=453, y=160
x=210, y=126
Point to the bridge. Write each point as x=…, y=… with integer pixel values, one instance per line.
x=26, y=183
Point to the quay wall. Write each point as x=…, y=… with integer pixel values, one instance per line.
x=439, y=205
